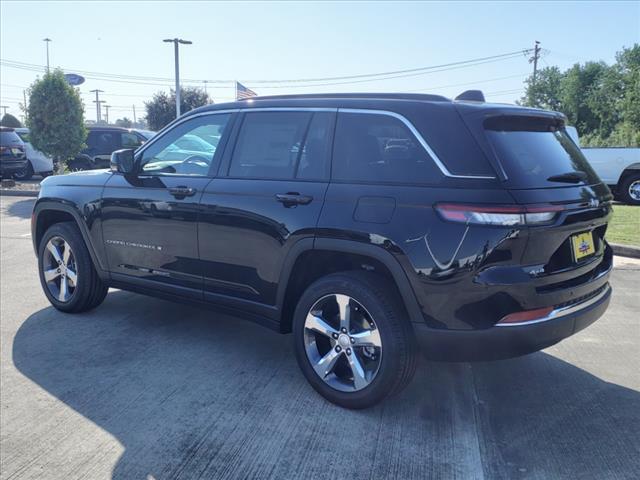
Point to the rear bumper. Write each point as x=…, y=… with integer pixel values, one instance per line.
x=8, y=167
x=513, y=340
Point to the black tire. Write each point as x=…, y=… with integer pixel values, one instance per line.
x=25, y=174
x=90, y=291
x=624, y=191
x=398, y=358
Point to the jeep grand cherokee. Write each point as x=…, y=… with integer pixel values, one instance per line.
x=368, y=225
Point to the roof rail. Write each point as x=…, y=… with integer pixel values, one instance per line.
x=381, y=96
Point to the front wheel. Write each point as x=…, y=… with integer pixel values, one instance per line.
x=67, y=274
x=353, y=340
x=630, y=189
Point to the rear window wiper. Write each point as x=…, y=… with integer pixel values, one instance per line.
x=569, y=177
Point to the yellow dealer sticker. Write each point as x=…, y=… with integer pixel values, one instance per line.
x=583, y=246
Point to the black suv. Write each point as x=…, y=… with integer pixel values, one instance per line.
x=366, y=225
x=102, y=142
x=12, y=155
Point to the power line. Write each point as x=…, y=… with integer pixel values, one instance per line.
x=149, y=80
x=488, y=80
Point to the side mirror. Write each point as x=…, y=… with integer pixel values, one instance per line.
x=122, y=161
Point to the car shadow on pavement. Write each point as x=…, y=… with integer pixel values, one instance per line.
x=22, y=208
x=190, y=393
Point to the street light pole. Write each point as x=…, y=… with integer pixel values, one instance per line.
x=175, y=42
x=47, y=40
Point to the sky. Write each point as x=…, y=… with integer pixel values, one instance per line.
x=260, y=43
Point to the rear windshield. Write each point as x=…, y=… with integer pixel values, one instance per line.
x=537, y=152
x=9, y=138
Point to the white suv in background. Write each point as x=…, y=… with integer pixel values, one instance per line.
x=38, y=162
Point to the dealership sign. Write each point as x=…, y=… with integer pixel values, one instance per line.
x=74, y=79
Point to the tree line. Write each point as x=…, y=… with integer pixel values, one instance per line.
x=602, y=101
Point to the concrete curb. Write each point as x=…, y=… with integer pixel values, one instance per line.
x=18, y=193
x=625, y=250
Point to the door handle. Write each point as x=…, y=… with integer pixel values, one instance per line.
x=182, y=192
x=291, y=199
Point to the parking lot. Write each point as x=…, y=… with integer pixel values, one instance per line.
x=146, y=389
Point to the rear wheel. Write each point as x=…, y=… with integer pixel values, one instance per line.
x=67, y=274
x=630, y=189
x=353, y=341
x=24, y=174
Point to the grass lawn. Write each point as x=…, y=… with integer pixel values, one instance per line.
x=625, y=225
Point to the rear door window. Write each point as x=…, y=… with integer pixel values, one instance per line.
x=282, y=145
x=102, y=143
x=537, y=152
x=380, y=149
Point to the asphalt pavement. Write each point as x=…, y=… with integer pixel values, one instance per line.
x=142, y=388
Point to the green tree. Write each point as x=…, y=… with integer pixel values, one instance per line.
x=602, y=101
x=9, y=120
x=545, y=92
x=55, y=117
x=161, y=110
x=124, y=122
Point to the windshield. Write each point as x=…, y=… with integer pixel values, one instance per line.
x=538, y=152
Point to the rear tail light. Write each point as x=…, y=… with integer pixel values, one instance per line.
x=505, y=215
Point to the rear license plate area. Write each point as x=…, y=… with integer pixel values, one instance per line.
x=582, y=246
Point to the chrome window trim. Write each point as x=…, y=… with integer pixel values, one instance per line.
x=249, y=108
x=564, y=311
x=445, y=171
x=441, y=166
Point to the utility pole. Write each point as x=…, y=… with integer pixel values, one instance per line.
x=176, y=42
x=47, y=40
x=4, y=109
x=97, y=102
x=24, y=98
x=134, y=115
x=107, y=107
x=534, y=60
x=205, y=87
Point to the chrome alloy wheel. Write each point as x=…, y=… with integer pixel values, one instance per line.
x=342, y=343
x=59, y=269
x=634, y=190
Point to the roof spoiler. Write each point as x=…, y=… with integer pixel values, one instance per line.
x=472, y=96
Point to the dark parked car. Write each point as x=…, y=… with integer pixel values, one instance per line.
x=12, y=153
x=103, y=141
x=365, y=224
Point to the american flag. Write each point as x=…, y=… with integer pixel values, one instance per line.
x=243, y=92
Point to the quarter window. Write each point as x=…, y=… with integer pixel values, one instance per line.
x=282, y=145
x=379, y=148
x=188, y=149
